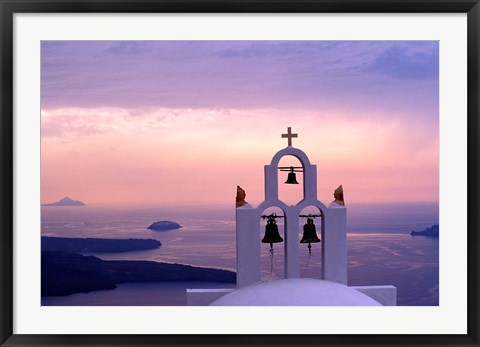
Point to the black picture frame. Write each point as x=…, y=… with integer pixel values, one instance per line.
x=9, y=7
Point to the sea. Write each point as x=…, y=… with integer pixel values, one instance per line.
x=381, y=250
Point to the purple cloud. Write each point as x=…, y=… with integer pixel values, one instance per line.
x=379, y=75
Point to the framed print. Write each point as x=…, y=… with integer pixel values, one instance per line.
x=347, y=130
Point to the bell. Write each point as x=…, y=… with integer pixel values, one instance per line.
x=271, y=232
x=292, y=178
x=309, y=233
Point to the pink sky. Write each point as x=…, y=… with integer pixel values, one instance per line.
x=185, y=122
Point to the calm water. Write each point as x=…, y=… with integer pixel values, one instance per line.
x=380, y=249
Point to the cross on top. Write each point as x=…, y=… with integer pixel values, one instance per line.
x=289, y=135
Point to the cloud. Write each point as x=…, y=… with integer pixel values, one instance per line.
x=128, y=47
x=72, y=123
x=399, y=62
x=171, y=155
x=239, y=74
x=240, y=130
x=193, y=118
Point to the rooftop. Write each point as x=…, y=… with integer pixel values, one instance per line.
x=296, y=292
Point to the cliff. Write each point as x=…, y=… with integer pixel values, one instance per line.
x=67, y=273
x=94, y=245
x=66, y=201
x=432, y=231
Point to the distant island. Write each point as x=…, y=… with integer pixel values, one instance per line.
x=432, y=231
x=68, y=273
x=66, y=201
x=94, y=245
x=164, y=225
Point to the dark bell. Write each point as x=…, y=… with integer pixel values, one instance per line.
x=309, y=233
x=271, y=232
x=292, y=178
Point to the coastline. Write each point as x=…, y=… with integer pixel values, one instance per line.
x=134, y=294
x=68, y=273
x=379, y=243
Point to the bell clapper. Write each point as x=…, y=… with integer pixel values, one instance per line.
x=308, y=260
x=271, y=258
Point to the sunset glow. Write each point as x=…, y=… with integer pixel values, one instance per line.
x=185, y=122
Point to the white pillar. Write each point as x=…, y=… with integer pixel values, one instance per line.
x=310, y=182
x=248, y=246
x=271, y=183
x=291, y=243
x=334, y=245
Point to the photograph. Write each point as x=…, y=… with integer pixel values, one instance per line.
x=239, y=173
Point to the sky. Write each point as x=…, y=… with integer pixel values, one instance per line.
x=185, y=122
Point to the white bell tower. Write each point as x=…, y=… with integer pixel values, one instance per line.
x=334, y=219
x=330, y=286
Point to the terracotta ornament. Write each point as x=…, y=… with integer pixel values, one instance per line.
x=338, y=195
x=240, y=199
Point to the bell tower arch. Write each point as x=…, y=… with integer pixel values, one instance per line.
x=334, y=239
x=309, y=174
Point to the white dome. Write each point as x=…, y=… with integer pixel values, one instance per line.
x=296, y=292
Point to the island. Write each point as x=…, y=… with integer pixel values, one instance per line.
x=432, y=231
x=97, y=245
x=66, y=201
x=64, y=273
x=164, y=225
